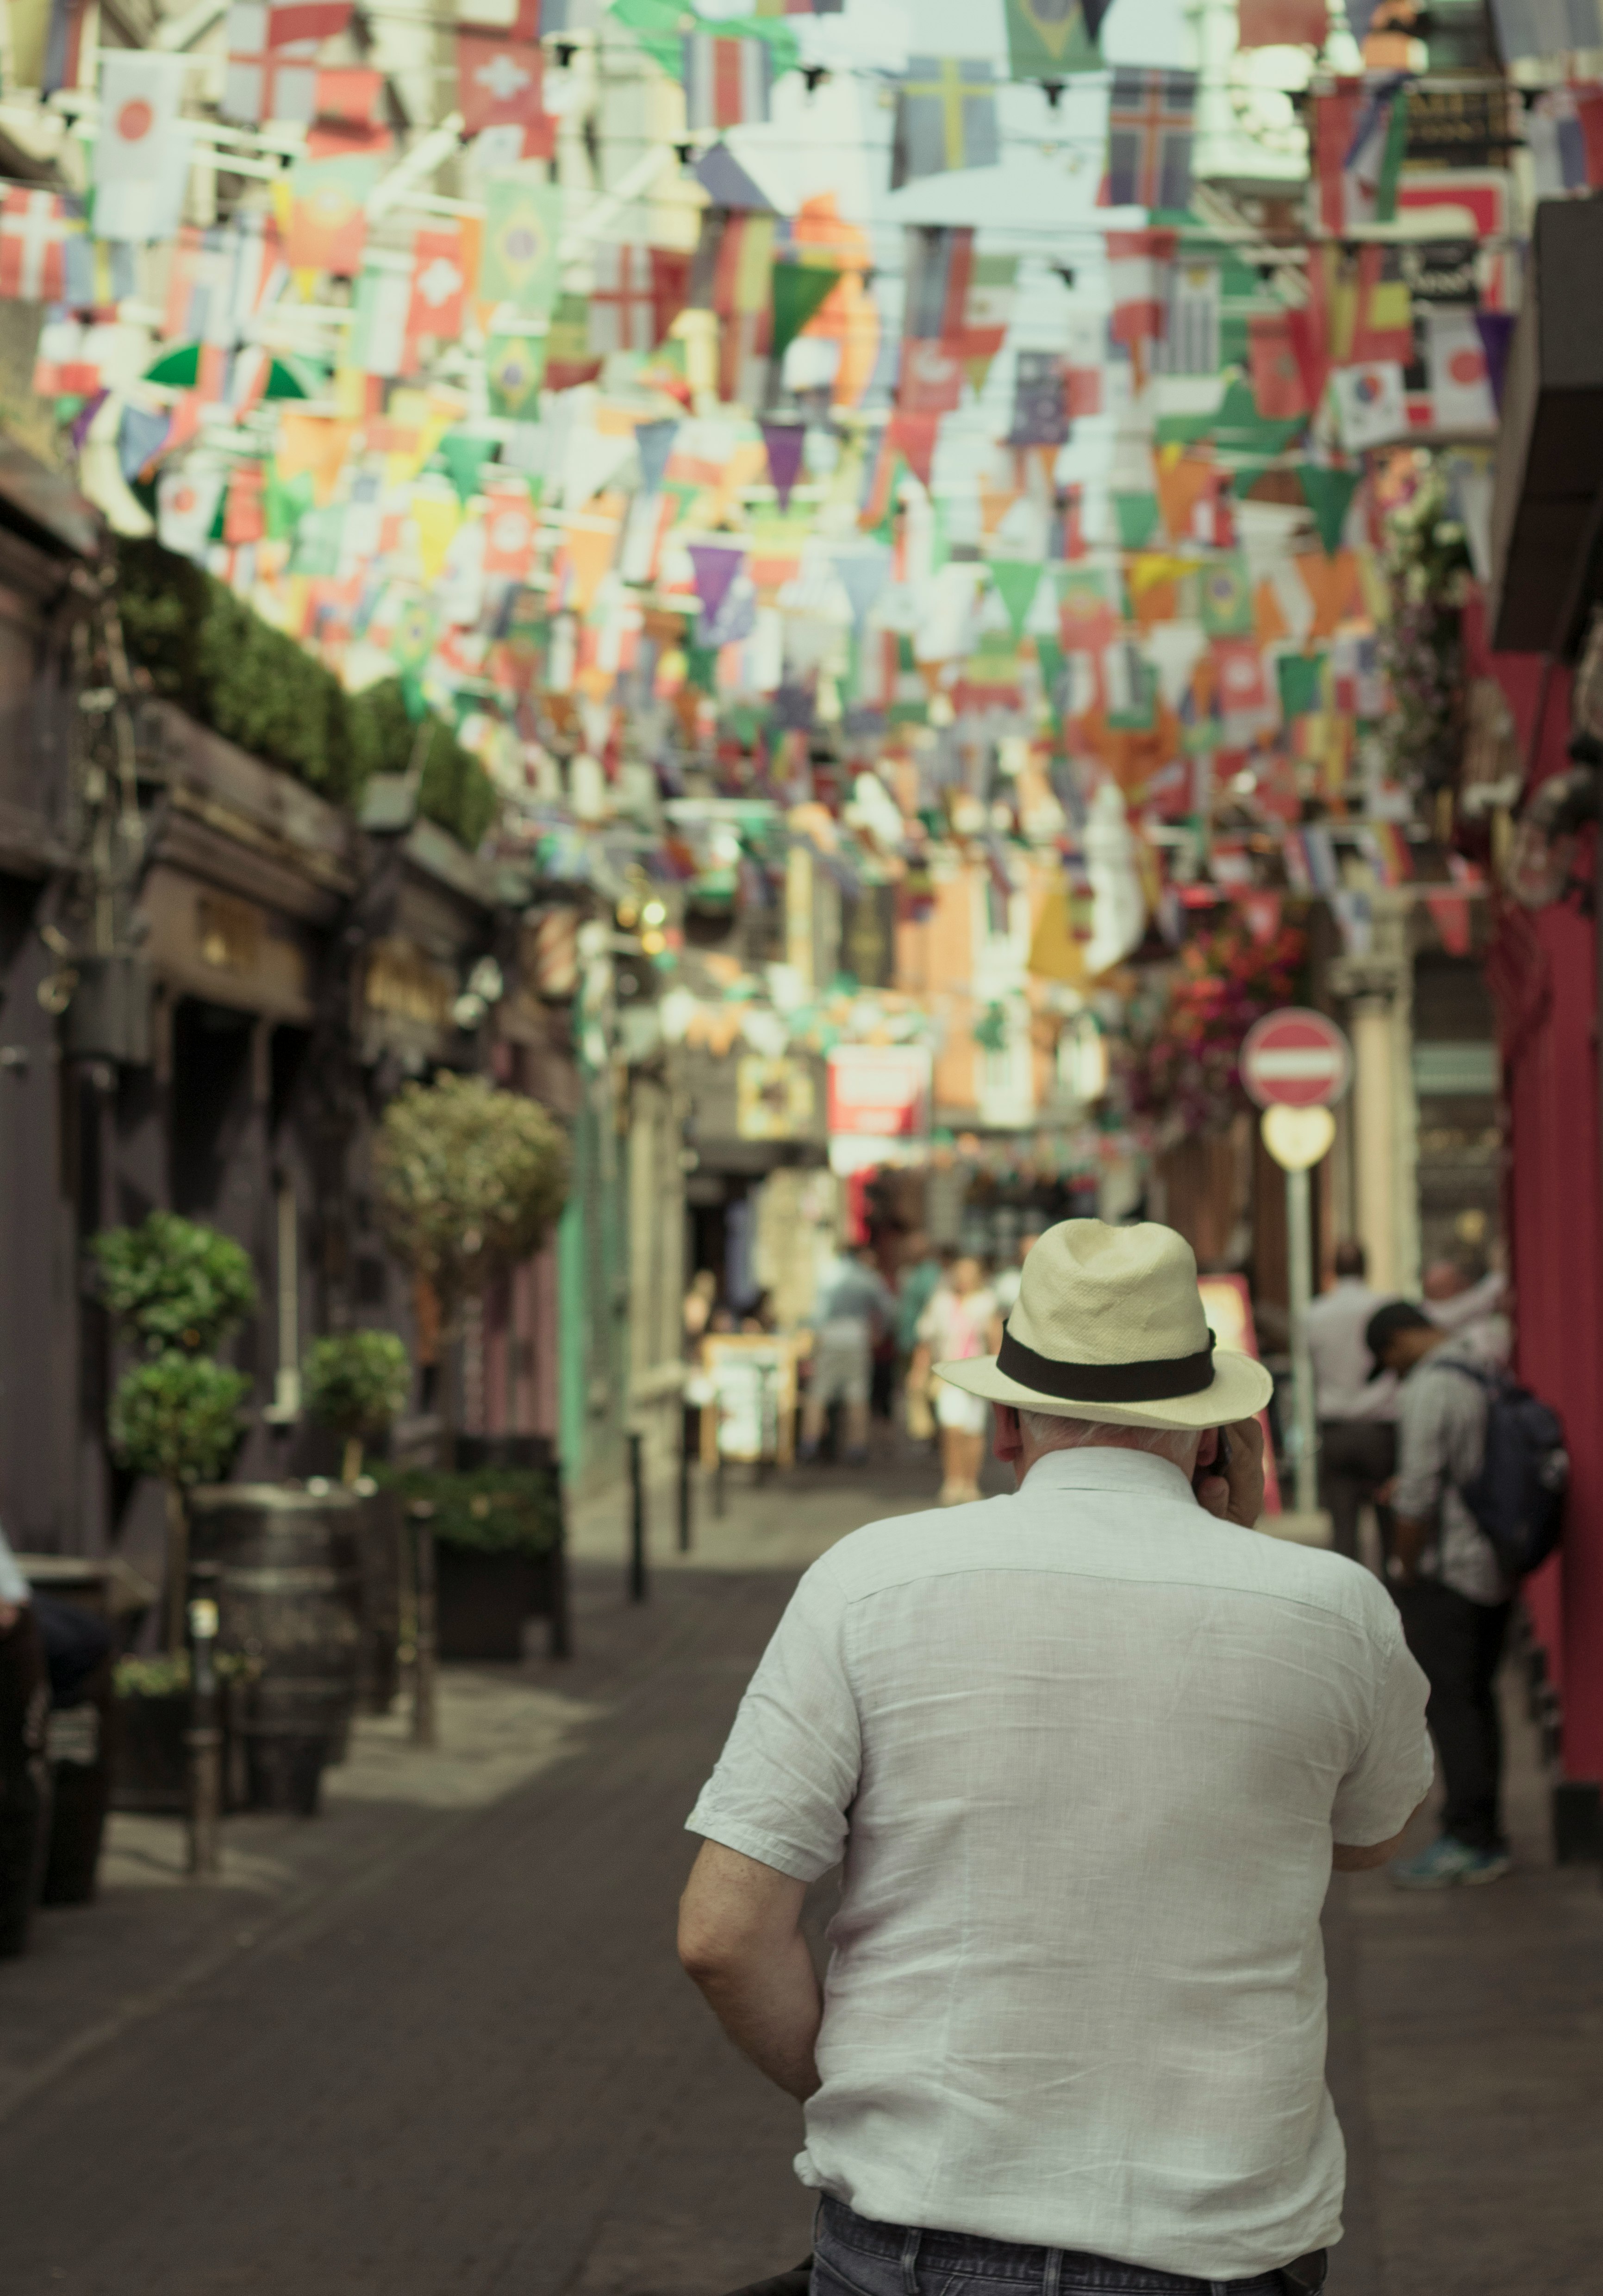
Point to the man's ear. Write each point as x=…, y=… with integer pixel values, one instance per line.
x=1008, y=1436
x=1207, y=1450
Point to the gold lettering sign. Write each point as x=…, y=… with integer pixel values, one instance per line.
x=228, y=932
x=401, y=980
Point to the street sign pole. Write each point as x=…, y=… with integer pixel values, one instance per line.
x=1299, y=1248
x=1299, y=1138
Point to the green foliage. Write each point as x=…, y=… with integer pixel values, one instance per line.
x=357, y=1382
x=495, y=1510
x=207, y=650
x=174, y=1285
x=178, y=1416
x=469, y=1179
x=169, y=1676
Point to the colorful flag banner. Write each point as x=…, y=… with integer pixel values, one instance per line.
x=727, y=82
x=1278, y=389
x=518, y=253
x=1049, y=40
x=1460, y=381
x=1371, y=409
x=262, y=82
x=514, y=368
x=498, y=82
x=945, y=117
x=1281, y=23
x=328, y=214
x=797, y=290
x=437, y=300
x=1138, y=264
x=1040, y=413
x=785, y=444
x=143, y=147
x=1149, y=125
x=1226, y=597
x=34, y=230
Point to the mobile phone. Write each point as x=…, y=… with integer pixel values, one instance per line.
x=1219, y=1464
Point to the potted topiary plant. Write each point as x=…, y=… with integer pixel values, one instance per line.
x=469, y=1181
x=177, y=1289
x=357, y=1383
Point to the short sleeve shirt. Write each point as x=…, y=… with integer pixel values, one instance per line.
x=1082, y=1754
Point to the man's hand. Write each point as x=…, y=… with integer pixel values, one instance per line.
x=1410, y=1539
x=1237, y=1496
x=741, y=1941
x=9, y=1613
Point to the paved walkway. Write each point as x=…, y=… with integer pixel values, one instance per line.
x=437, y=2044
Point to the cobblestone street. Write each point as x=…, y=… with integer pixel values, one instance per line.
x=439, y=2041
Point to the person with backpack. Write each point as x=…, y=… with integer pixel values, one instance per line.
x=1477, y=1499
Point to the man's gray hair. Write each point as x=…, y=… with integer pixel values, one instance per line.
x=1050, y=1432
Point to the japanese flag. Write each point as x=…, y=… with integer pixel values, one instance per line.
x=187, y=500
x=142, y=151
x=1370, y=405
x=1460, y=388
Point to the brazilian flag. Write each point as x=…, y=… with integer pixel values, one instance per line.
x=514, y=368
x=1048, y=39
x=1227, y=597
x=518, y=255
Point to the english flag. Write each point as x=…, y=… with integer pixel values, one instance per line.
x=33, y=246
x=262, y=81
x=142, y=151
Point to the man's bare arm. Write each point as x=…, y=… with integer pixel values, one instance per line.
x=1349, y=1857
x=741, y=1941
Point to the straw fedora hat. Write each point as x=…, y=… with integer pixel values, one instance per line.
x=1109, y=1326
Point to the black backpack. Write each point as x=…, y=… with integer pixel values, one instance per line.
x=1518, y=1497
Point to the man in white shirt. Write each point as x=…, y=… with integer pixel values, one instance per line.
x=1088, y=1755
x=1357, y=1414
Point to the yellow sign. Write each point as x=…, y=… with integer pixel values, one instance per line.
x=1297, y=1137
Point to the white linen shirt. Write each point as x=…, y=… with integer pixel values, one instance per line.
x=1083, y=1750
x=1337, y=1322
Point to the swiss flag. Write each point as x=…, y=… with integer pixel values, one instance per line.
x=508, y=533
x=439, y=282
x=498, y=81
x=1238, y=666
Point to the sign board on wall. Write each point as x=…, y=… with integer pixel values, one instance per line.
x=882, y=1090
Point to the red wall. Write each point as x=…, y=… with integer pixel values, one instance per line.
x=1545, y=973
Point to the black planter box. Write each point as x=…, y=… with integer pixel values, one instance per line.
x=481, y=1601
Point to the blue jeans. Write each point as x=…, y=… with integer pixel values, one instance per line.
x=853, y=2256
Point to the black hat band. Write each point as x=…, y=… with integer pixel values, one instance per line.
x=1155, y=1381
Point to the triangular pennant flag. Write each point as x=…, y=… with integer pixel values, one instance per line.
x=716, y=565
x=727, y=183
x=1016, y=580
x=1328, y=494
x=862, y=574
x=799, y=289
x=786, y=443
x=1496, y=333
x=655, y=443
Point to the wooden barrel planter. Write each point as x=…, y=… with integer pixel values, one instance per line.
x=290, y=1592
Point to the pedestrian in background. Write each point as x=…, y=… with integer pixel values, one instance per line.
x=1357, y=1412
x=922, y=1270
x=1465, y=1299
x=1454, y=1600
x=854, y=1305
x=959, y=1323
x=1005, y=1283
x=1089, y=1754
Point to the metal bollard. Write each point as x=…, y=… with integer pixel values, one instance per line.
x=637, y=1522
x=204, y=1737
x=425, y=1729
x=685, y=1479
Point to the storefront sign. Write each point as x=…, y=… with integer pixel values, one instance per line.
x=879, y=1089
x=775, y=1099
x=404, y=982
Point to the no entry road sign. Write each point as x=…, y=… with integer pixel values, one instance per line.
x=1295, y=1059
